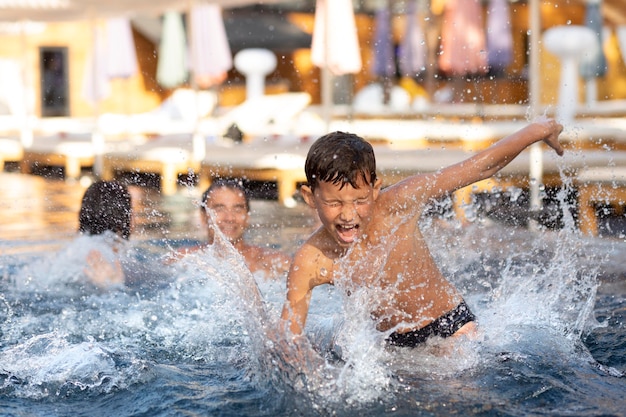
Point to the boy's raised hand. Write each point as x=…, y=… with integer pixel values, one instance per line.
x=552, y=130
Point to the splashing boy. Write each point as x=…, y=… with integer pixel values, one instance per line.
x=371, y=238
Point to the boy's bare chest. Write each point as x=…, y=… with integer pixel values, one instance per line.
x=366, y=263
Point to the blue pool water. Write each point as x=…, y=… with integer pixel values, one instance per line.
x=196, y=339
x=199, y=337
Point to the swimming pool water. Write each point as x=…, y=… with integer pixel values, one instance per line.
x=196, y=339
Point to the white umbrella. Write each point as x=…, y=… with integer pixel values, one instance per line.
x=335, y=45
x=96, y=88
x=121, y=52
x=96, y=81
x=112, y=56
x=210, y=58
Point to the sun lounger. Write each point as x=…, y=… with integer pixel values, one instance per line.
x=592, y=169
x=279, y=163
x=178, y=114
x=11, y=150
x=413, y=133
x=72, y=152
x=167, y=156
x=172, y=155
x=267, y=115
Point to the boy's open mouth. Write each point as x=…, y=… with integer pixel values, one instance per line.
x=347, y=232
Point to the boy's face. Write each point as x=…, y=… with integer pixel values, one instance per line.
x=344, y=211
x=230, y=211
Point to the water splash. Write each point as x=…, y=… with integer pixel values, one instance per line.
x=533, y=292
x=49, y=364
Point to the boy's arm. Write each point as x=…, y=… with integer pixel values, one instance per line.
x=299, y=289
x=486, y=163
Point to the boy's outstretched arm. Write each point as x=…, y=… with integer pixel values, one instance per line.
x=488, y=162
x=493, y=159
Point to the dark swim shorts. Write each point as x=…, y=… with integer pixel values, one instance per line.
x=444, y=326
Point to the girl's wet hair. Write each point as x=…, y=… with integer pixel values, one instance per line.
x=341, y=158
x=230, y=183
x=106, y=205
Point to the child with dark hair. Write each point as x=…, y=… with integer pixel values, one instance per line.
x=106, y=210
x=106, y=205
x=370, y=237
x=100, y=255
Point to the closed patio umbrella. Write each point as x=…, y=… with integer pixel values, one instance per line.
x=113, y=55
x=121, y=52
x=384, y=64
x=172, y=65
x=499, y=36
x=210, y=58
x=209, y=49
x=96, y=88
x=463, y=50
x=96, y=80
x=334, y=45
x=412, y=53
x=593, y=64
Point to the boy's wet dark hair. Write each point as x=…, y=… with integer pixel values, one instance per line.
x=106, y=206
x=340, y=158
x=230, y=183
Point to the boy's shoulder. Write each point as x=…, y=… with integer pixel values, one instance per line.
x=403, y=195
x=313, y=262
x=318, y=246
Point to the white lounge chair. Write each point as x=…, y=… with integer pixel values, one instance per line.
x=72, y=151
x=272, y=114
x=599, y=185
x=11, y=150
x=172, y=155
x=178, y=114
x=259, y=161
x=168, y=156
